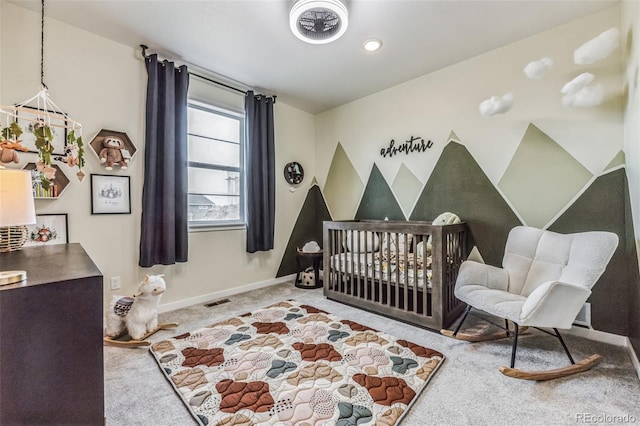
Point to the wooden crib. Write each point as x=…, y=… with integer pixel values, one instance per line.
x=406, y=270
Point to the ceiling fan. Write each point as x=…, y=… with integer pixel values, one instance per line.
x=318, y=21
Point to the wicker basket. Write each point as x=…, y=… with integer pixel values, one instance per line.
x=12, y=238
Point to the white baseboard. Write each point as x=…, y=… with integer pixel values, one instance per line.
x=171, y=306
x=634, y=357
x=598, y=336
x=612, y=339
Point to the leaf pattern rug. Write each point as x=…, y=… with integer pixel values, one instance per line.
x=293, y=364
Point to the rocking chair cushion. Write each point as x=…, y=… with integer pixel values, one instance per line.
x=496, y=302
x=553, y=304
x=474, y=273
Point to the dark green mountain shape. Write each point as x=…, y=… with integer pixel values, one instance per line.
x=458, y=184
x=605, y=206
x=378, y=200
x=308, y=227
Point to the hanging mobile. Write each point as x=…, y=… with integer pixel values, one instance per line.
x=43, y=115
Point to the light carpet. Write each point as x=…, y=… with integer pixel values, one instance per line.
x=294, y=364
x=468, y=390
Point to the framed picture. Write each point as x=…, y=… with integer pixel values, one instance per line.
x=29, y=139
x=110, y=194
x=49, y=229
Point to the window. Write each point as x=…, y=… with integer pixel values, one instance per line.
x=216, y=175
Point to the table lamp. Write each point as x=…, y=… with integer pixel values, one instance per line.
x=17, y=209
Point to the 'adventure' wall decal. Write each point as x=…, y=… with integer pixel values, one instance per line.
x=414, y=144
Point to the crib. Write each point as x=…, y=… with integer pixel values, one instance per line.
x=405, y=270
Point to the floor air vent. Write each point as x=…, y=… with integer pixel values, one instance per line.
x=584, y=316
x=216, y=303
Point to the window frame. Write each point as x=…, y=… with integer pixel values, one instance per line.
x=208, y=225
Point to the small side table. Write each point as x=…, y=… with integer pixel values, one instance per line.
x=316, y=261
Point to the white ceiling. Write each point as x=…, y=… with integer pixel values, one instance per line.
x=250, y=41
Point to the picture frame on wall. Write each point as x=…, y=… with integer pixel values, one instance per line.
x=28, y=139
x=110, y=194
x=50, y=229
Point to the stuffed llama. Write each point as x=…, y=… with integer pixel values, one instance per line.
x=137, y=315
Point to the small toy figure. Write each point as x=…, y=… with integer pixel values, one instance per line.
x=137, y=315
x=71, y=156
x=8, y=150
x=112, y=153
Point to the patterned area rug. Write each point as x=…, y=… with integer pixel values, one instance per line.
x=293, y=364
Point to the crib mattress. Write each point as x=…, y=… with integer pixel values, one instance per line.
x=376, y=265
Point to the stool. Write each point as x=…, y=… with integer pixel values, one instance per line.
x=316, y=260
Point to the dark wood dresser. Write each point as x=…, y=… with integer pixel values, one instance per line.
x=51, y=359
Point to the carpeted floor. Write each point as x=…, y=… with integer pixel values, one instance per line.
x=468, y=389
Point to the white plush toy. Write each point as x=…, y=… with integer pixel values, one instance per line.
x=446, y=218
x=138, y=315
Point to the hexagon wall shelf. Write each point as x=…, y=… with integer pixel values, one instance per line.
x=128, y=150
x=59, y=183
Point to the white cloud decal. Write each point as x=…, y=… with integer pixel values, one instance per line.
x=496, y=105
x=538, y=69
x=597, y=48
x=580, y=93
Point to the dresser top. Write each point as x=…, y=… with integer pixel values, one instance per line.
x=49, y=264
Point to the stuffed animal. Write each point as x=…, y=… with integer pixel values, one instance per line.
x=138, y=315
x=8, y=152
x=111, y=153
x=446, y=218
x=71, y=155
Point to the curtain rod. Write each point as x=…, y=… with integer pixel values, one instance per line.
x=202, y=77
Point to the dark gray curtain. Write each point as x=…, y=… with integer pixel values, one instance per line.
x=164, y=233
x=260, y=174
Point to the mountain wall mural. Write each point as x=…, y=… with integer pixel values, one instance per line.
x=458, y=185
x=406, y=186
x=308, y=227
x=604, y=206
x=542, y=178
x=378, y=201
x=343, y=187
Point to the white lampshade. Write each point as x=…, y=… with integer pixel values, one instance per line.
x=16, y=198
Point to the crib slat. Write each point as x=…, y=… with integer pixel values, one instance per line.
x=425, y=289
x=396, y=251
x=366, y=269
x=405, y=270
x=356, y=286
x=341, y=274
x=407, y=289
x=439, y=277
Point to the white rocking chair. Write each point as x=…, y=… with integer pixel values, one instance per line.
x=545, y=280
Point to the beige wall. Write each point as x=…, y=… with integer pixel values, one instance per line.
x=433, y=105
x=102, y=84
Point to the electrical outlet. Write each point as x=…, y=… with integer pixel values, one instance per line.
x=115, y=283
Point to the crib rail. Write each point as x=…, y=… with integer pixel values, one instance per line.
x=406, y=270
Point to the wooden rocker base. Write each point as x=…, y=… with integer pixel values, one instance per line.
x=479, y=337
x=125, y=341
x=578, y=367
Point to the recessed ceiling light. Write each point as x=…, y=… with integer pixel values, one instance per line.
x=318, y=21
x=372, y=45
